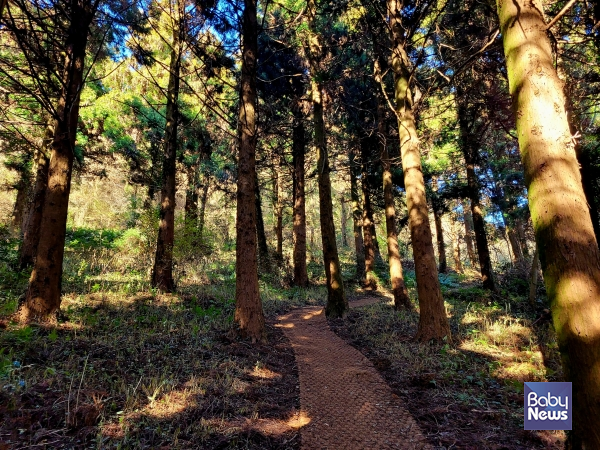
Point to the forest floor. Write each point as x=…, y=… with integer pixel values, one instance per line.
x=127, y=367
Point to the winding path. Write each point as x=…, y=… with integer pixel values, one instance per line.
x=345, y=404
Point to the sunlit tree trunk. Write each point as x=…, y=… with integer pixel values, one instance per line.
x=337, y=304
x=33, y=219
x=515, y=244
x=20, y=206
x=44, y=291
x=357, y=217
x=433, y=322
x=162, y=273
x=456, y=249
x=564, y=232
x=248, y=306
x=298, y=148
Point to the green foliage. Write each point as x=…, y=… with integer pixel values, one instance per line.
x=87, y=238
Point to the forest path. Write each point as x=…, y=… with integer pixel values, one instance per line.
x=344, y=402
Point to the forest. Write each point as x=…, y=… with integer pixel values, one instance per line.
x=297, y=224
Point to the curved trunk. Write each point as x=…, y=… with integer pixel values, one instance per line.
x=298, y=145
x=564, y=232
x=433, y=321
x=337, y=304
x=44, y=290
x=162, y=273
x=248, y=306
x=359, y=247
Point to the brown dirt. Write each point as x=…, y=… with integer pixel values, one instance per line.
x=345, y=404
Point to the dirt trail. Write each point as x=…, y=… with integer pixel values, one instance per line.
x=345, y=404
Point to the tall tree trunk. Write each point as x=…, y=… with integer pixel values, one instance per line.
x=249, y=314
x=337, y=304
x=44, y=291
x=162, y=273
x=202, y=207
x=344, y=220
x=533, y=277
x=278, y=208
x=263, y=247
x=370, y=280
x=564, y=232
x=522, y=237
x=456, y=250
x=433, y=322
x=23, y=187
x=401, y=298
x=298, y=148
x=191, y=196
x=469, y=147
x=468, y=219
x=441, y=245
x=33, y=221
x=359, y=246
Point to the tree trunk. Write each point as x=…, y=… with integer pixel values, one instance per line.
x=263, y=247
x=20, y=202
x=344, y=219
x=162, y=273
x=278, y=208
x=468, y=219
x=191, y=196
x=564, y=232
x=469, y=148
x=522, y=237
x=456, y=251
x=44, y=291
x=298, y=147
x=33, y=221
x=337, y=304
x=359, y=246
x=401, y=298
x=533, y=277
x=433, y=322
x=441, y=245
x=248, y=306
x=515, y=245
x=202, y=208
x=370, y=281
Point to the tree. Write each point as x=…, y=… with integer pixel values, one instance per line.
x=337, y=304
x=564, y=233
x=248, y=306
x=433, y=323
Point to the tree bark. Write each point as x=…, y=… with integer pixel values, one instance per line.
x=18, y=213
x=44, y=291
x=441, y=245
x=456, y=251
x=564, y=232
x=359, y=246
x=337, y=304
x=399, y=290
x=298, y=148
x=278, y=208
x=248, y=306
x=468, y=219
x=162, y=273
x=370, y=281
x=33, y=221
x=263, y=247
x=515, y=244
x=469, y=148
x=344, y=220
x=191, y=196
x=533, y=277
x=433, y=322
